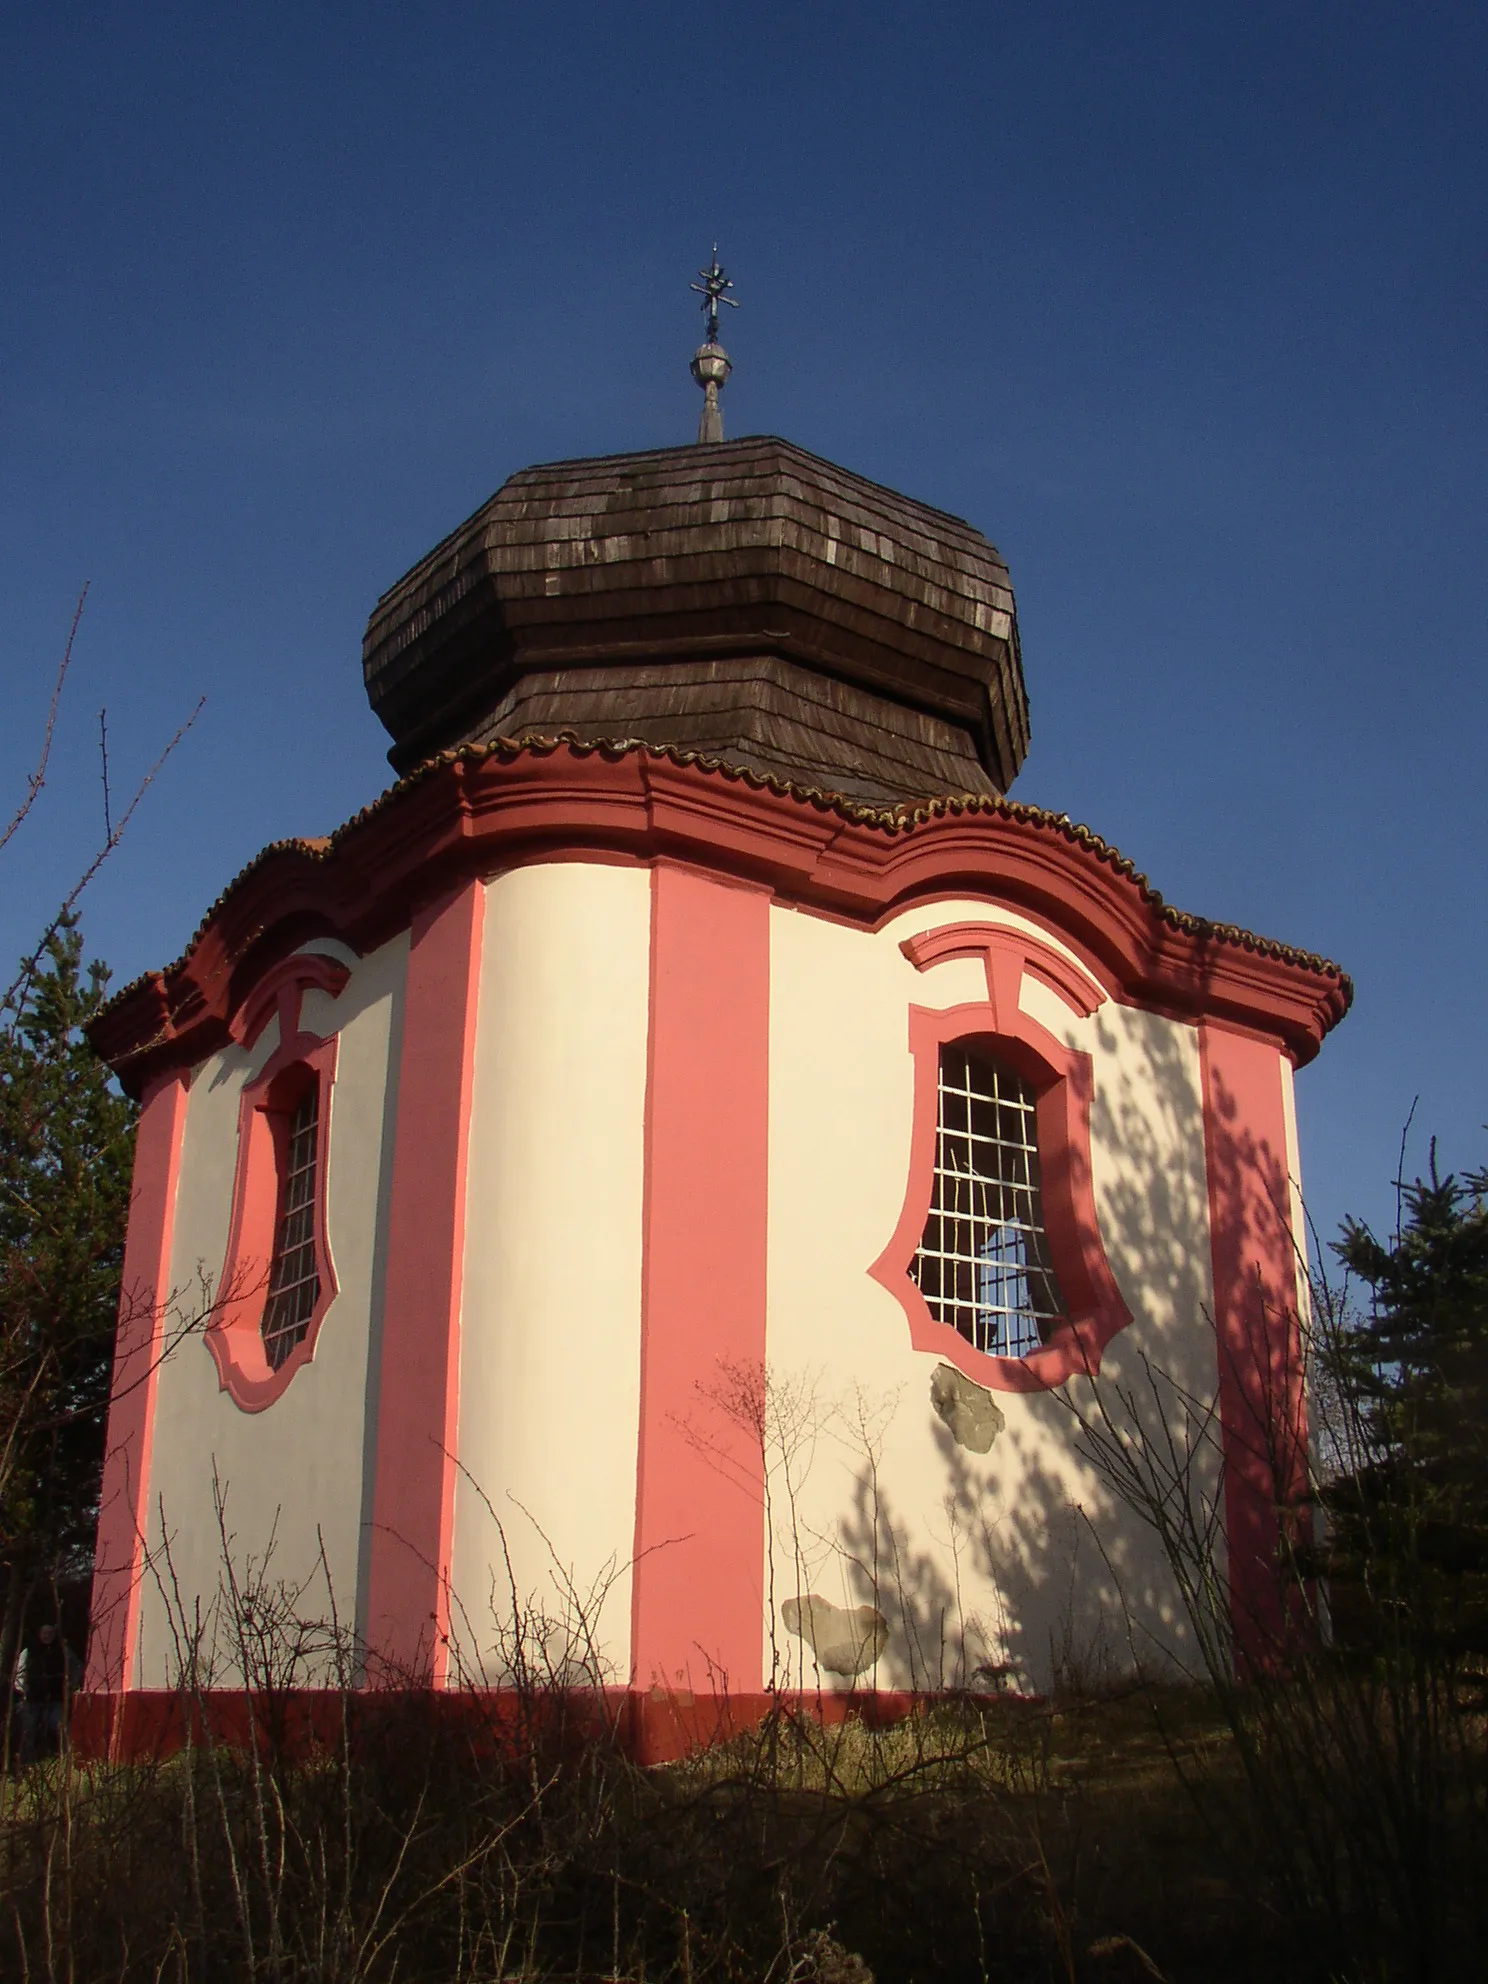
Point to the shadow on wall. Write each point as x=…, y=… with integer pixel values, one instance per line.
x=1063, y=1614
x=1083, y=1592
x=1152, y=1194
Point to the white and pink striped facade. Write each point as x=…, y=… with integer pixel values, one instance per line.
x=626, y=1079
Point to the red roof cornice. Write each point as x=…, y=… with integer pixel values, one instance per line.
x=483, y=810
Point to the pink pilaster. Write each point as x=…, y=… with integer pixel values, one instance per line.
x=1256, y=1261
x=407, y=1610
x=697, y=1622
x=119, y=1562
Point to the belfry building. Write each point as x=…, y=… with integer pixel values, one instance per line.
x=665, y=1172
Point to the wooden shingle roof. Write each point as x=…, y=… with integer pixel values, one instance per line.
x=744, y=598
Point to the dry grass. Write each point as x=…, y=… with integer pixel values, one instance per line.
x=997, y=1840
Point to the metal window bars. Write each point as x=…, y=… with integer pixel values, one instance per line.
x=983, y=1262
x=294, y=1280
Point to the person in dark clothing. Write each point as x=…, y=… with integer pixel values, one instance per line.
x=47, y=1673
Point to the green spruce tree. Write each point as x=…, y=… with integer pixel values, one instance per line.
x=66, y=1151
x=1411, y=1525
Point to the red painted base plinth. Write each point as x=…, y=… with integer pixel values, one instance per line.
x=648, y=1727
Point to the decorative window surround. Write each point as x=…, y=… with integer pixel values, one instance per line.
x=235, y=1335
x=1062, y=1082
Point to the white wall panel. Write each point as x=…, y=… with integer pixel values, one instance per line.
x=550, y=1326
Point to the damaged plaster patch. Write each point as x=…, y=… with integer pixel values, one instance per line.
x=969, y=1412
x=844, y=1641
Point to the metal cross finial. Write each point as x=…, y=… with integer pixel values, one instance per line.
x=711, y=286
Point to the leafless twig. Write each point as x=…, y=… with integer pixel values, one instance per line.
x=108, y=827
x=15, y=993
x=38, y=778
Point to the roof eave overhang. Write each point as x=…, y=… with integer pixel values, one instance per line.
x=482, y=811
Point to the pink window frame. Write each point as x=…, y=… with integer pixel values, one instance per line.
x=1063, y=1085
x=235, y=1334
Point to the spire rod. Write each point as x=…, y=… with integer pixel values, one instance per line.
x=711, y=364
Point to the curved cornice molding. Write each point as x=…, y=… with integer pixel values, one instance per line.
x=479, y=812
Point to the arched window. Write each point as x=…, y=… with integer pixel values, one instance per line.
x=983, y=1263
x=278, y=1279
x=294, y=1276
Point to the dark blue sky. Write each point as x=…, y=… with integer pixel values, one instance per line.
x=1184, y=306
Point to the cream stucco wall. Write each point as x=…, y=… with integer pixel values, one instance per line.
x=550, y=1322
x=291, y=1479
x=1020, y=1560
x=977, y=1561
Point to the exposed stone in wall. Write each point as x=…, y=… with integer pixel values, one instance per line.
x=845, y=1641
x=969, y=1412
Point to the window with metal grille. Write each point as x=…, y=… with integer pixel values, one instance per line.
x=294, y=1279
x=983, y=1263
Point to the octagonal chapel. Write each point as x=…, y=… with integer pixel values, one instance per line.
x=672, y=1174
